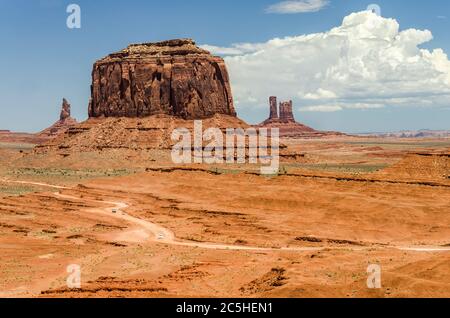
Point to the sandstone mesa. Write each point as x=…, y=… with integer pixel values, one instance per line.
x=173, y=77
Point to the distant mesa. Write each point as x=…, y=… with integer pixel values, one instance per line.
x=8, y=136
x=424, y=133
x=282, y=117
x=173, y=77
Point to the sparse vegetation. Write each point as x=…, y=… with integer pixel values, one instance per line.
x=15, y=189
x=16, y=146
x=344, y=167
x=65, y=176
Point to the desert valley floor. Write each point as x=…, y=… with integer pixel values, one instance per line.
x=147, y=228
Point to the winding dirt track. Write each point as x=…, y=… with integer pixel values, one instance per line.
x=163, y=235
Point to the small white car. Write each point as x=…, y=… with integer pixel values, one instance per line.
x=160, y=236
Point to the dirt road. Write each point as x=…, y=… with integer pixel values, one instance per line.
x=148, y=231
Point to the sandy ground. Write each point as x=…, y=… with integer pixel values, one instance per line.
x=192, y=233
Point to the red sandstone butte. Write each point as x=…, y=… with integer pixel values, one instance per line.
x=282, y=117
x=173, y=77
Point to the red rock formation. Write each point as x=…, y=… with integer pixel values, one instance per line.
x=286, y=123
x=172, y=77
x=65, y=111
x=273, y=108
x=286, y=112
x=62, y=125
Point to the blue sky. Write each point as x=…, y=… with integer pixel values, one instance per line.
x=43, y=61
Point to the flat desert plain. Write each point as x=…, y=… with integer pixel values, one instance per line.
x=154, y=229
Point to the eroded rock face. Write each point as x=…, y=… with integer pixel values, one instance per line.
x=286, y=112
x=273, y=108
x=282, y=117
x=172, y=77
x=65, y=110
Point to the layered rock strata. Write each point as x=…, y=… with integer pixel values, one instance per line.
x=173, y=77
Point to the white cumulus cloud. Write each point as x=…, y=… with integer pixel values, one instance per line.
x=297, y=6
x=322, y=108
x=366, y=62
x=320, y=94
